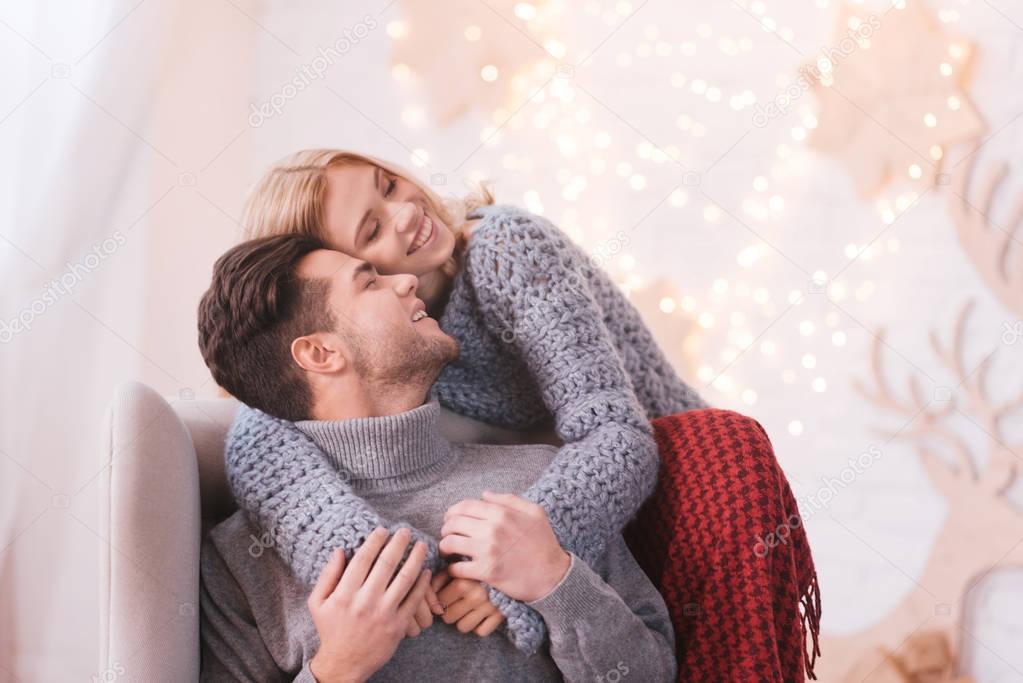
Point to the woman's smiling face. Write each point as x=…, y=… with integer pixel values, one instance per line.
x=382, y=218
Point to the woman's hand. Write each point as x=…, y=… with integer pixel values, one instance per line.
x=466, y=604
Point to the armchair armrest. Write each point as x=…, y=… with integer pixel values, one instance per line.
x=149, y=578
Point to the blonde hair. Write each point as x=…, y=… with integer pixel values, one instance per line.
x=289, y=198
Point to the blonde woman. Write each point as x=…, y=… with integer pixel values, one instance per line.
x=545, y=337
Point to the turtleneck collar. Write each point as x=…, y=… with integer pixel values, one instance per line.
x=392, y=453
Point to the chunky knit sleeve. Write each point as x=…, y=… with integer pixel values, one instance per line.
x=303, y=507
x=532, y=290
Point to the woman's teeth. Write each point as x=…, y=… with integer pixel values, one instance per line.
x=418, y=315
x=423, y=236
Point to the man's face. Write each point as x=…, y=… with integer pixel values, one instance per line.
x=380, y=321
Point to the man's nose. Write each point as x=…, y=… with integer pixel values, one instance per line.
x=406, y=284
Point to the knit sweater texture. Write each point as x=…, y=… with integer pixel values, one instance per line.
x=544, y=334
x=604, y=621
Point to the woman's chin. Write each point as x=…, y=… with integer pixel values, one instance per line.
x=432, y=255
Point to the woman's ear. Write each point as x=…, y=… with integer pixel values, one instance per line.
x=320, y=353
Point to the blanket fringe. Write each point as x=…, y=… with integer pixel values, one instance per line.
x=811, y=601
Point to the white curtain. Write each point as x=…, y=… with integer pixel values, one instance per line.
x=109, y=139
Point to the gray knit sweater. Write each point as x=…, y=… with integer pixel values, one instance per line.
x=605, y=621
x=544, y=333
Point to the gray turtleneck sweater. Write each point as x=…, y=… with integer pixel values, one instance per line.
x=606, y=621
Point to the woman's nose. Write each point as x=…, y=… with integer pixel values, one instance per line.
x=405, y=218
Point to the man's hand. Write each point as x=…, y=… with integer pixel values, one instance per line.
x=510, y=544
x=466, y=604
x=359, y=617
x=423, y=617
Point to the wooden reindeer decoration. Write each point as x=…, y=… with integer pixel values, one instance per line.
x=983, y=531
x=994, y=250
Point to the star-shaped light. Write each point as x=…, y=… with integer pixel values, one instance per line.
x=472, y=54
x=892, y=95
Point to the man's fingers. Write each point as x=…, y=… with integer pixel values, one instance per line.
x=470, y=507
x=467, y=570
x=458, y=545
x=388, y=561
x=362, y=560
x=423, y=616
x=464, y=526
x=415, y=595
x=431, y=596
x=412, y=630
x=509, y=500
x=489, y=625
x=329, y=576
x=406, y=576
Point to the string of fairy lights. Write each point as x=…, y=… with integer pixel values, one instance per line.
x=589, y=150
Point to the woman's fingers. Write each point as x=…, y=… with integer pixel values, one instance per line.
x=458, y=589
x=458, y=609
x=387, y=561
x=407, y=575
x=471, y=621
x=439, y=580
x=489, y=625
x=362, y=561
x=328, y=579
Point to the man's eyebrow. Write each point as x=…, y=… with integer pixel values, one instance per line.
x=362, y=222
x=364, y=268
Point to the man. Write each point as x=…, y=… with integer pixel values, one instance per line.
x=319, y=338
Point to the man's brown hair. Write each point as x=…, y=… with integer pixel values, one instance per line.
x=255, y=307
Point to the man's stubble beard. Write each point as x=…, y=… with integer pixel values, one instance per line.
x=402, y=363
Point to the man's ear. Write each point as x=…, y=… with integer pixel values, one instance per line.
x=320, y=352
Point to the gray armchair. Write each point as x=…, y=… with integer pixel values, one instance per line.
x=165, y=487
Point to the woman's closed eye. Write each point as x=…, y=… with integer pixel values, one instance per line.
x=387, y=193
